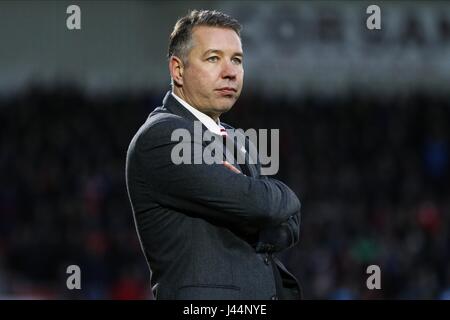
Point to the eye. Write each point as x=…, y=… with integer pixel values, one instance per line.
x=213, y=59
x=237, y=61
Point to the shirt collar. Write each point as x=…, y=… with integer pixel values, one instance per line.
x=208, y=122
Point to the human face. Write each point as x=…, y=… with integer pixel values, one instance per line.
x=213, y=76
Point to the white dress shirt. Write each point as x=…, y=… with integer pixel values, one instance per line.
x=209, y=123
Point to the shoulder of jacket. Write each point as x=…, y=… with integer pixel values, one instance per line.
x=160, y=125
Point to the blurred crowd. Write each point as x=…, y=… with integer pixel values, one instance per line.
x=371, y=172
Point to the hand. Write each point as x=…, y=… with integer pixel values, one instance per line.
x=278, y=238
x=231, y=167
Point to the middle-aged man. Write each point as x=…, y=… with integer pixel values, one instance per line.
x=208, y=231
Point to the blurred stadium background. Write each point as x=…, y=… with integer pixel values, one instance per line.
x=364, y=129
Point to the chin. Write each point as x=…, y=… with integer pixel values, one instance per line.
x=227, y=104
x=224, y=108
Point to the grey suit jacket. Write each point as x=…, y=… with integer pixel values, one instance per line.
x=206, y=232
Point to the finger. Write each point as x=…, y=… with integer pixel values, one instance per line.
x=231, y=167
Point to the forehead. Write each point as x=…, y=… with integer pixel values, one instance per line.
x=224, y=39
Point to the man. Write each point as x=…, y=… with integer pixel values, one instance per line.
x=208, y=231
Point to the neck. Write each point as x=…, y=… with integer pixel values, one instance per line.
x=179, y=93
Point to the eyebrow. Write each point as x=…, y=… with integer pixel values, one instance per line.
x=240, y=54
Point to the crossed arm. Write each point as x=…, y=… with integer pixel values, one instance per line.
x=279, y=237
x=262, y=208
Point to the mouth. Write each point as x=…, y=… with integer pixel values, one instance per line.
x=227, y=90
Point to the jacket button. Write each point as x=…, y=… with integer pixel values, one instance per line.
x=274, y=297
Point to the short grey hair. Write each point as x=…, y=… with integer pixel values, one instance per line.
x=180, y=39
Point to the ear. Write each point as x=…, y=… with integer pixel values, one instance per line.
x=176, y=69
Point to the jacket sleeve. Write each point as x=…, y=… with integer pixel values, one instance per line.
x=211, y=192
x=280, y=237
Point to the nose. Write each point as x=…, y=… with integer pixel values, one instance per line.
x=229, y=70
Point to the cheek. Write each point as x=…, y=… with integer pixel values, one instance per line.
x=202, y=78
x=241, y=79
x=206, y=83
